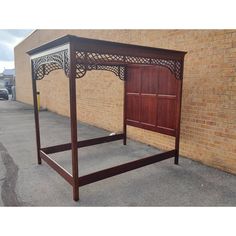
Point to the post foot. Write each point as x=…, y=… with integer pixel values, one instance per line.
x=177, y=160
x=75, y=193
x=124, y=141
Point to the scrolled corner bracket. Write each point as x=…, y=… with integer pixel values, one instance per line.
x=80, y=71
x=44, y=65
x=122, y=72
x=178, y=70
x=117, y=70
x=173, y=65
x=66, y=62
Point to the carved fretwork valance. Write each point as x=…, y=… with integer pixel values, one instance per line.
x=98, y=61
x=44, y=65
x=95, y=61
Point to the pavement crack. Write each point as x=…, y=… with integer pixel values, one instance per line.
x=8, y=193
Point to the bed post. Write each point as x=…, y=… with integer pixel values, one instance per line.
x=177, y=136
x=73, y=122
x=36, y=114
x=177, y=148
x=124, y=109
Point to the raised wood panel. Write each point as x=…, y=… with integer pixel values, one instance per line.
x=133, y=82
x=148, y=109
x=167, y=83
x=149, y=80
x=152, y=97
x=133, y=107
x=166, y=113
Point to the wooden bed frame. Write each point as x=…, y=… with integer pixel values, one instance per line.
x=152, y=95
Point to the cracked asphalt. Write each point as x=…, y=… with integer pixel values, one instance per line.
x=24, y=183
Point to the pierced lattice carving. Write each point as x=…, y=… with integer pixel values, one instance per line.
x=80, y=71
x=98, y=61
x=94, y=58
x=178, y=66
x=66, y=62
x=45, y=64
x=137, y=60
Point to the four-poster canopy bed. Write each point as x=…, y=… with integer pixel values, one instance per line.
x=152, y=95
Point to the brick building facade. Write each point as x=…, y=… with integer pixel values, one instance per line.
x=208, y=124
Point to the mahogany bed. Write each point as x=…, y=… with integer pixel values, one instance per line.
x=152, y=95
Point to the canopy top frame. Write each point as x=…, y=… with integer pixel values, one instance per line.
x=92, y=54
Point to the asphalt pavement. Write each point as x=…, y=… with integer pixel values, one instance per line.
x=25, y=183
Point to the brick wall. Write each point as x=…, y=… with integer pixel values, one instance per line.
x=208, y=125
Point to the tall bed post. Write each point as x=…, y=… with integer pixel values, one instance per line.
x=36, y=114
x=177, y=136
x=73, y=122
x=124, y=109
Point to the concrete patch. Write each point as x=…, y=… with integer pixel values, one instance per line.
x=8, y=194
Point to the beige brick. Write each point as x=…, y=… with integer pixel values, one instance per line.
x=209, y=103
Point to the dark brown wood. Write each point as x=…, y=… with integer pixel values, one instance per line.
x=152, y=95
x=92, y=54
x=95, y=141
x=133, y=86
x=166, y=118
x=151, y=99
x=116, y=170
x=148, y=96
x=148, y=109
x=60, y=170
x=133, y=107
x=162, y=130
x=178, y=115
x=103, y=46
x=167, y=104
x=73, y=124
x=36, y=115
x=57, y=148
x=83, y=143
x=124, y=110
